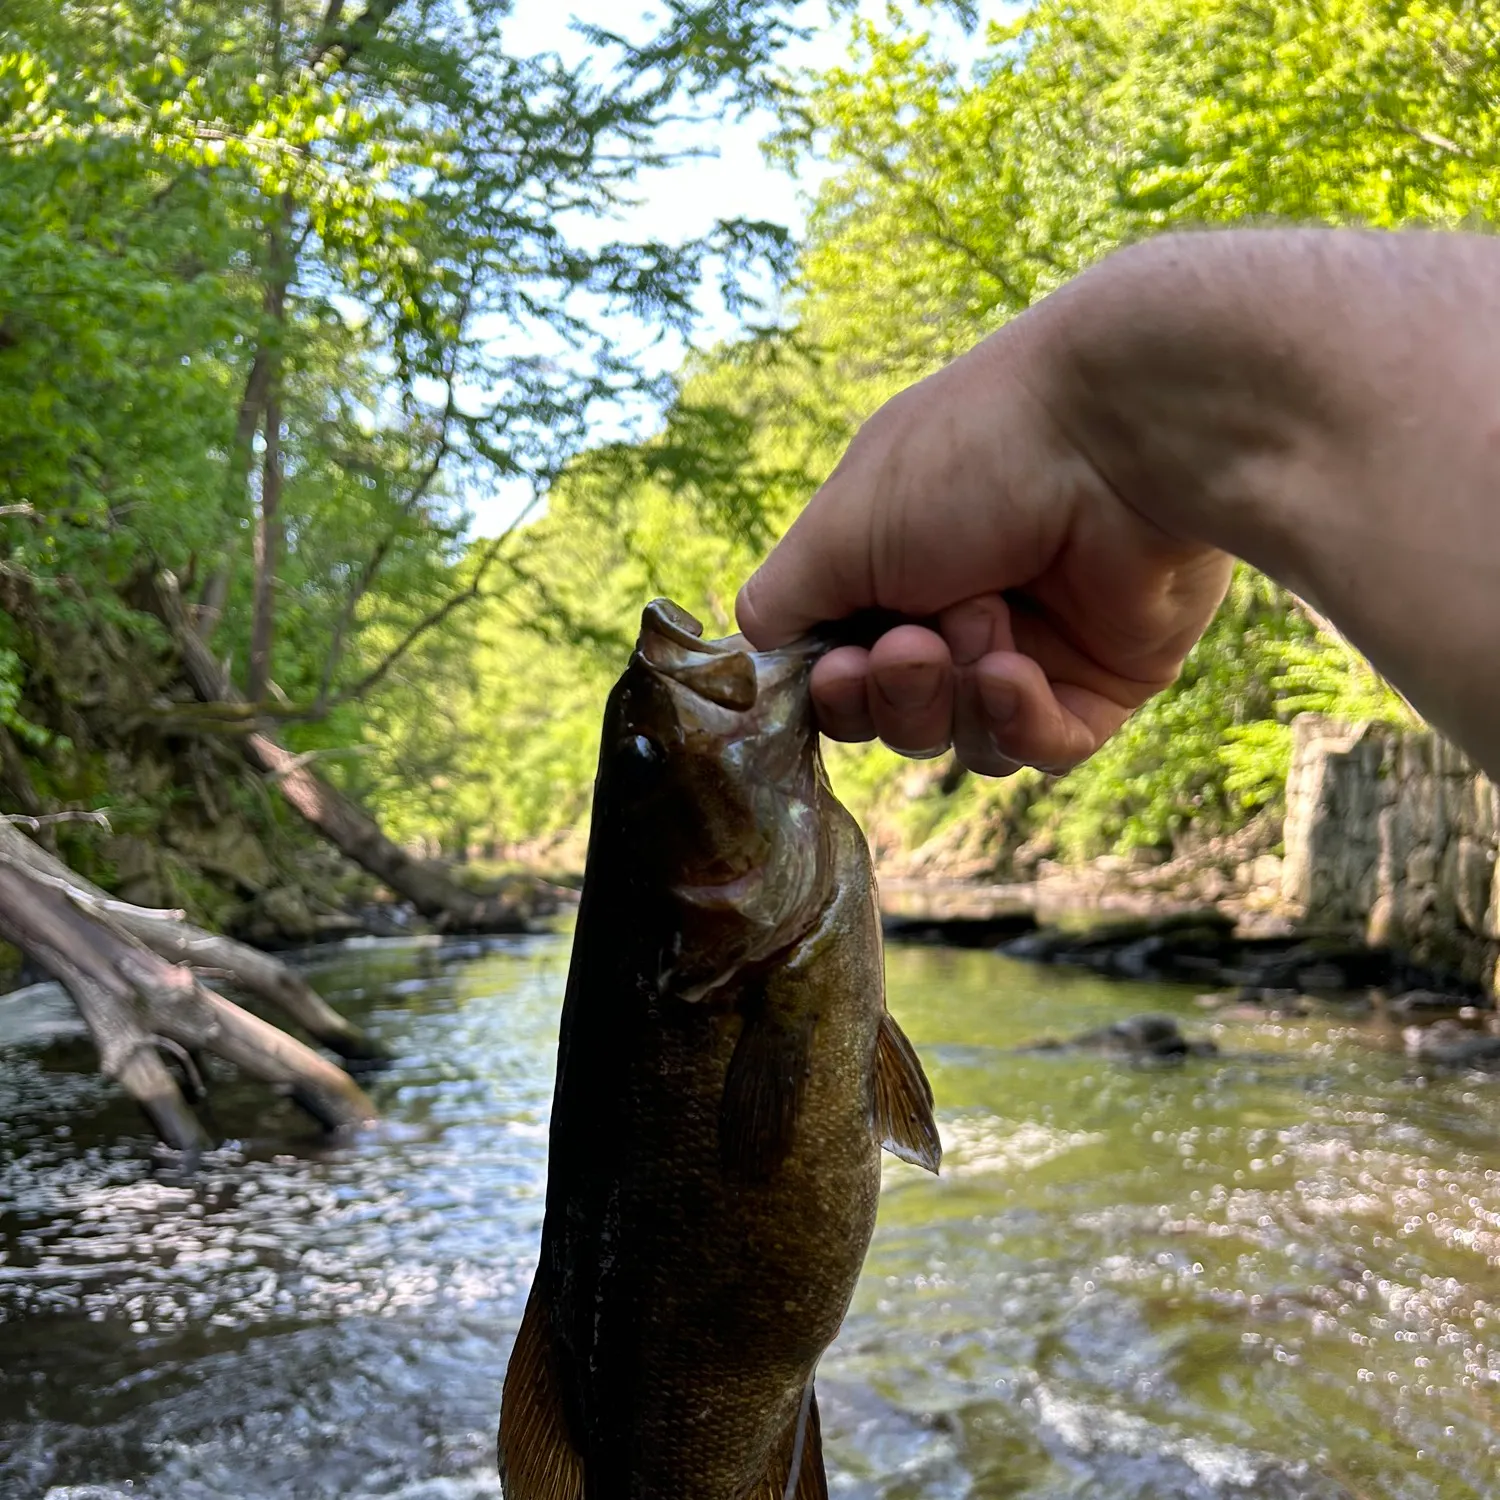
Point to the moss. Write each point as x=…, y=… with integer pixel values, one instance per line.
x=11, y=961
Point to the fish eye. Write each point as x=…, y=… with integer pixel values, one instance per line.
x=639, y=752
x=642, y=748
x=639, y=761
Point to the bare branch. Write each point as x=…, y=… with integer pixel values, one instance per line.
x=36, y=822
x=942, y=229
x=1432, y=138
x=88, y=900
x=131, y=130
x=373, y=564
x=307, y=757
x=429, y=621
x=434, y=618
x=238, y=717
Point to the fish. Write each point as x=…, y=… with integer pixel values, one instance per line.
x=727, y=1074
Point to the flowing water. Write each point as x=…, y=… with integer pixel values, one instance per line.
x=1272, y=1273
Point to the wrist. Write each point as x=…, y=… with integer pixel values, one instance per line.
x=1195, y=390
x=1322, y=403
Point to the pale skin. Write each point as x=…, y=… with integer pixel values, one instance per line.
x=1060, y=506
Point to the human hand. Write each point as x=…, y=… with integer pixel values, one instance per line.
x=1050, y=608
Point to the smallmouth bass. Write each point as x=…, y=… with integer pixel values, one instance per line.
x=727, y=1074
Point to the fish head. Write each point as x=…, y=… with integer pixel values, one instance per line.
x=711, y=776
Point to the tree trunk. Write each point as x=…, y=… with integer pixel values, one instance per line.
x=134, y=1002
x=180, y=942
x=429, y=887
x=15, y=777
x=267, y=555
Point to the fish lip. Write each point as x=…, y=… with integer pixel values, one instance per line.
x=661, y=617
x=670, y=622
x=723, y=673
x=723, y=686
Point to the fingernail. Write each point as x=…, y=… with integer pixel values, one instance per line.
x=910, y=687
x=1000, y=701
x=931, y=754
x=844, y=696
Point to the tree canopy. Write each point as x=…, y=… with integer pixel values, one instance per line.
x=963, y=191
x=283, y=286
x=285, y=281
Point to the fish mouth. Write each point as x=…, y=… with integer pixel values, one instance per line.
x=729, y=671
x=665, y=625
x=671, y=643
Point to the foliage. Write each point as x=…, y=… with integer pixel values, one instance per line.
x=1322, y=674
x=284, y=282
x=283, y=285
x=960, y=195
x=210, y=209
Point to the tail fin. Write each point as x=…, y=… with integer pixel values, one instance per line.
x=537, y=1459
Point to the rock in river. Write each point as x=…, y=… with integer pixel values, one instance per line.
x=1447, y=1044
x=1145, y=1038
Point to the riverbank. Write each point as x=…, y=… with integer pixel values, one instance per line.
x=1389, y=841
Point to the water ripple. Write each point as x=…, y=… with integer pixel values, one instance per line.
x=1270, y=1274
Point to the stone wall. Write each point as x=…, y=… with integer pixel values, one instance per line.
x=1393, y=835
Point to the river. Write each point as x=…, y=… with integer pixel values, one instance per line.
x=1272, y=1273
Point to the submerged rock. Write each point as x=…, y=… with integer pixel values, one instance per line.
x=1188, y=944
x=1417, y=1005
x=1260, y=1000
x=1144, y=1038
x=1202, y=947
x=1449, y=1044
x=960, y=932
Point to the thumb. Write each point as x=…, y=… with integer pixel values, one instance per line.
x=819, y=571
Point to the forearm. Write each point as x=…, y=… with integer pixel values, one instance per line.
x=1323, y=404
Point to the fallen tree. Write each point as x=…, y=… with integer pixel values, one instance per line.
x=432, y=890
x=138, y=1003
x=171, y=936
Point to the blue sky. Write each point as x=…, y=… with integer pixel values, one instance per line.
x=686, y=200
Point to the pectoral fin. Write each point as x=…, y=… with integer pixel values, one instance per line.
x=903, y=1100
x=537, y=1460
x=797, y=1473
x=763, y=1092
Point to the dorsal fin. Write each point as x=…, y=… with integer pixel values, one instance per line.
x=537, y=1459
x=903, y=1100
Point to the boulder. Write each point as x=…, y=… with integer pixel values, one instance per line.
x=1414, y=1005
x=960, y=932
x=1143, y=1038
x=1447, y=1044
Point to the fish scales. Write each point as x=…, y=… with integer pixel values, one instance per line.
x=727, y=1073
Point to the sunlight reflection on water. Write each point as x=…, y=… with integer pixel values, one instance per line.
x=1270, y=1273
